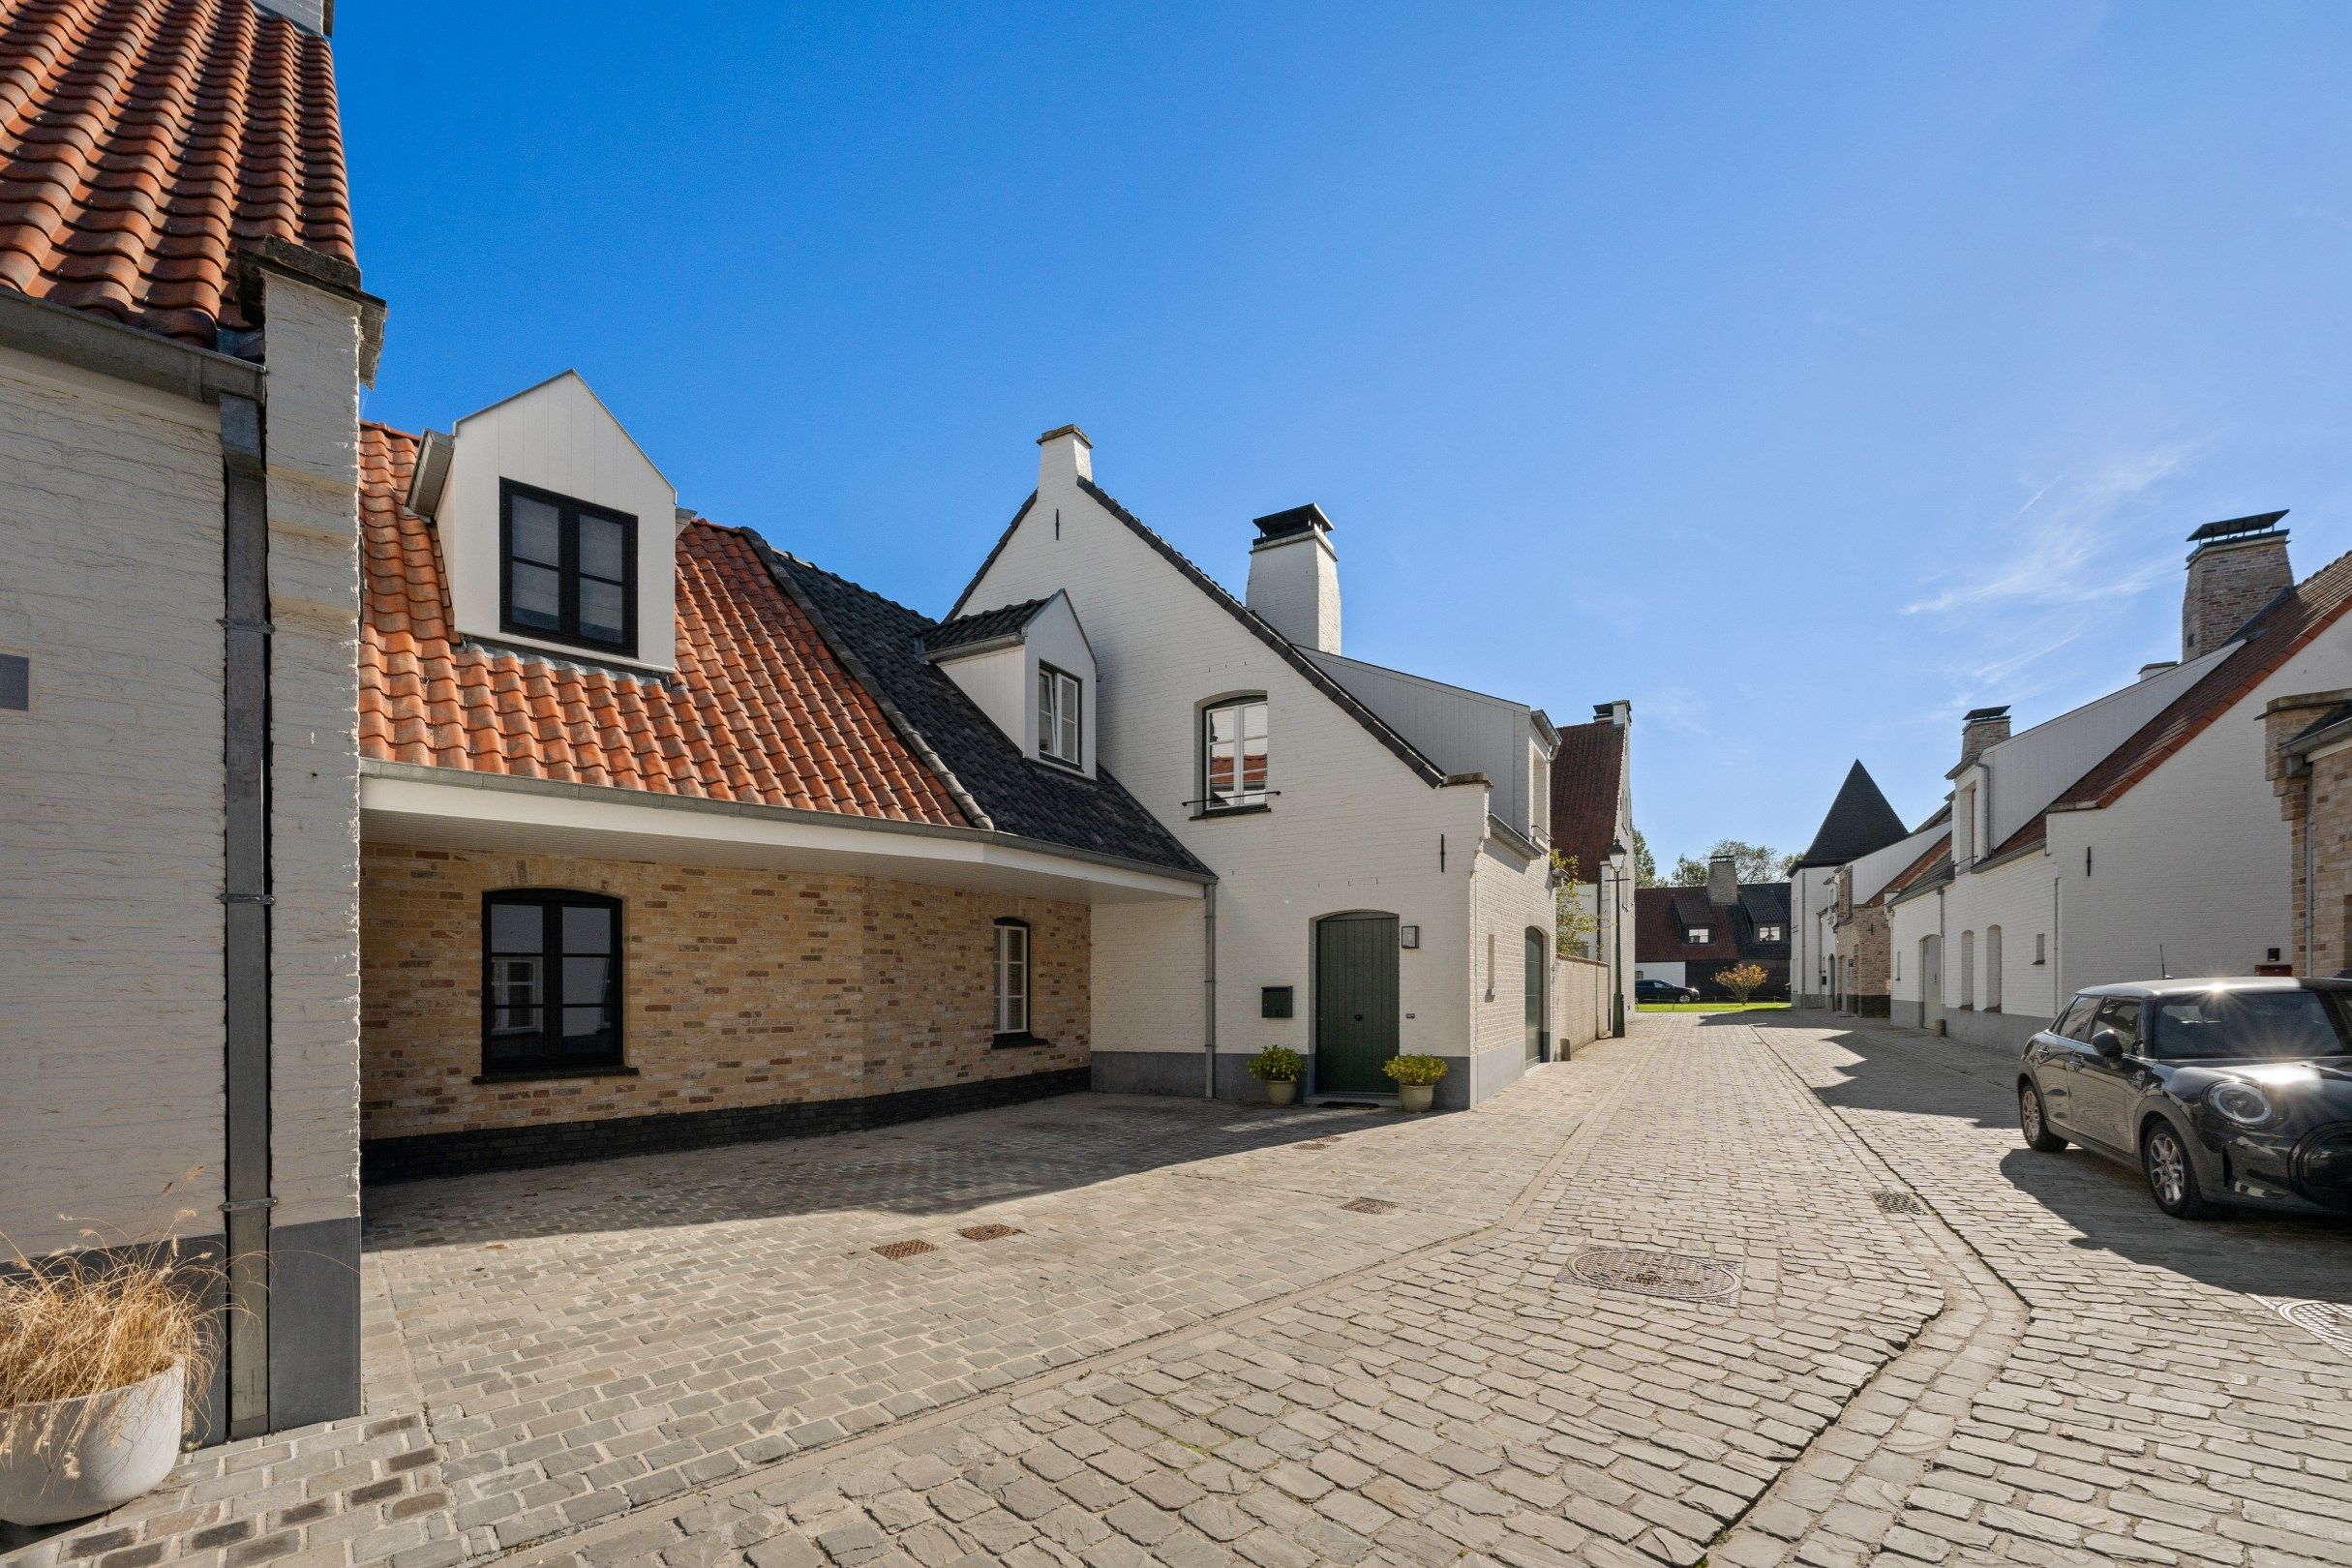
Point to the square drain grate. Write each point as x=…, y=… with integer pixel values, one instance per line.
x=1900, y=1202
x=988, y=1232
x=905, y=1249
x=1369, y=1206
x=1642, y=1272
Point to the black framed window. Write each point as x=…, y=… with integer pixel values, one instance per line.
x=1060, y=711
x=568, y=570
x=1011, y=978
x=1233, y=763
x=551, y=981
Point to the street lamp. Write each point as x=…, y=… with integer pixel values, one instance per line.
x=1615, y=869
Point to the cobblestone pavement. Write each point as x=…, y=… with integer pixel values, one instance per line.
x=1194, y=1341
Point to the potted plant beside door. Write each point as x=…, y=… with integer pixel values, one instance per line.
x=98, y=1351
x=1416, y=1080
x=1278, y=1067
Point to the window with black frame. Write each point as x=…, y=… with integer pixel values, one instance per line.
x=551, y=981
x=1233, y=765
x=568, y=570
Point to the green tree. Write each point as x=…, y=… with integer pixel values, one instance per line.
x=1576, y=925
x=1756, y=863
x=1644, y=864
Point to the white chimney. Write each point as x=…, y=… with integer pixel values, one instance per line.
x=1294, y=577
x=1063, y=456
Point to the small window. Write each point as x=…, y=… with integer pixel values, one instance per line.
x=1059, y=735
x=1771, y=933
x=568, y=570
x=1233, y=755
x=2041, y=946
x=1992, y=969
x=1699, y=936
x=1011, y=978
x=551, y=981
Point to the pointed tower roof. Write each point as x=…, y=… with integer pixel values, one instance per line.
x=1860, y=821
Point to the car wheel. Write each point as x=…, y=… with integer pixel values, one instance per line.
x=2172, y=1176
x=2033, y=1124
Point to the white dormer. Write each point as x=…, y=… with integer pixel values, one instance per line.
x=1031, y=670
x=557, y=531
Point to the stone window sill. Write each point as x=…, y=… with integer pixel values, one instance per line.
x=529, y=1075
x=1018, y=1039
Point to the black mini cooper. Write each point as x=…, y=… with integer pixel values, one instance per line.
x=2234, y=1091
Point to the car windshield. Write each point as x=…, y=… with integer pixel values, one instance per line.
x=2275, y=1026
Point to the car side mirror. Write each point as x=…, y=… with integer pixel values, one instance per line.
x=2107, y=1043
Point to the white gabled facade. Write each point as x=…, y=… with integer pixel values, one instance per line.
x=1434, y=812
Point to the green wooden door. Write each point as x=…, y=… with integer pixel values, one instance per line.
x=1355, y=1002
x=1536, y=967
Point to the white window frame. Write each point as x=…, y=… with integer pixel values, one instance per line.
x=1011, y=978
x=1239, y=798
x=1061, y=716
x=1771, y=933
x=1698, y=936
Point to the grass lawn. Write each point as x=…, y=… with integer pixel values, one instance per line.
x=1710, y=1007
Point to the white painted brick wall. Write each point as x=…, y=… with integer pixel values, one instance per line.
x=314, y=547
x=111, y=969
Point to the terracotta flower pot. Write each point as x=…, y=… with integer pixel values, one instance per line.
x=69, y=1459
x=1279, y=1093
x=1414, y=1098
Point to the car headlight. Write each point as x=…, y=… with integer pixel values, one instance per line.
x=2242, y=1103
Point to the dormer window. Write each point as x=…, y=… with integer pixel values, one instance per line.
x=1060, y=717
x=568, y=569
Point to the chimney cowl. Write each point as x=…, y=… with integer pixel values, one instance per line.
x=1982, y=729
x=1294, y=577
x=1618, y=712
x=2238, y=567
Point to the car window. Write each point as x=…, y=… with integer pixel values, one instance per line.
x=2120, y=1013
x=2075, y=1022
x=2272, y=1025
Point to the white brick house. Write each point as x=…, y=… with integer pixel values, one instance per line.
x=2136, y=836
x=1380, y=842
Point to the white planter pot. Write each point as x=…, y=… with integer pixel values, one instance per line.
x=69, y=1459
x=1414, y=1097
x=1281, y=1094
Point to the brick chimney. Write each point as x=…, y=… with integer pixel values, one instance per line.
x=1980, y=730
x=2238, y=566
x=1722, y=880
x=1294, y=577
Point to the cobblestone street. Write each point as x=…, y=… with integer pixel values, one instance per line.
x=1114, y=1330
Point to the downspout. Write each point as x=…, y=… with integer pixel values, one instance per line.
x=2311, y=867
x=245, y=898
x=1208, y=938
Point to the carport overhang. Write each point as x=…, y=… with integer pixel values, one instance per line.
x=432, y=807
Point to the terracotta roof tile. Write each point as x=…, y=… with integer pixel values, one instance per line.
x=1584, y=775
x=144, y=142
x=758, y=710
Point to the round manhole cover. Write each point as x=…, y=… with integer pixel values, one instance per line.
x=1677, y=1276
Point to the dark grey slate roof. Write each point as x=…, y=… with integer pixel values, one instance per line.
x=981, y=626
x=882, y=644
x=1859, y=822
x=1766, y=902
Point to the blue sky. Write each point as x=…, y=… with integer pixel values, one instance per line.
x=1806, y=374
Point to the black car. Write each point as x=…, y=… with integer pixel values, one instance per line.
x=2221, y=1092
x=1657, y=990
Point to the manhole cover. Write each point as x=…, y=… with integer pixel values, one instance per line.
x=1900, y=1202
x=987, y=1233
x=2324, y=1320
x=905, y=1249
x=1369, y=1206
x=1677, y=1276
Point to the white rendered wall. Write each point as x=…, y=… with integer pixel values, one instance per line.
x=1294, y=584
x=1810, y=894
x=557, y=437
x=1353, y=828
x=110, y=956
x=2020, y=896
x=2035, y=767
x=1461, y=731
x=1509, y=897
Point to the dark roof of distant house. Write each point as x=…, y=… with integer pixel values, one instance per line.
x=884, y=642
x=981, y=626
x=1664, y=916
x=1586, y=772
x=1405, y=751
x=2280, y=630
x=1859, y=822
x=149, y=145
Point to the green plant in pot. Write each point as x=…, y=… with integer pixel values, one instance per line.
x=1416, y=1078
x=1278, y=1067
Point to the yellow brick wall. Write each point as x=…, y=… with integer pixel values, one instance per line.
x=740, y=988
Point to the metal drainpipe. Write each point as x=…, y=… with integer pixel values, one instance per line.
x=2310, y=865
x=1208, y=936
x=245, y=896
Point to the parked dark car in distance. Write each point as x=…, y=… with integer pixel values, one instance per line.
x=2219, y=1092
x=1657, y=990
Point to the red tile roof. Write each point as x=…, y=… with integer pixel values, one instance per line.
x=2283, y=628
x=1586, y=772
x=758, y=711
x=146, y=142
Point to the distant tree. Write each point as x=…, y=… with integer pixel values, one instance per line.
x=1756, y=863
x=1688, y=873
x=1644, y=864
x=1575, y=925
x=1743, y=981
